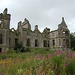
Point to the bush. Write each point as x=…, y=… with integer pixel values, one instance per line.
x=19, y=48
x=46, y=49
x=52, y=51
x=41, y=51
x=27, y=49
x=70, y=68
x=11, y=51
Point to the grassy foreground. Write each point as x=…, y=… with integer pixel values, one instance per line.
x=38, y=62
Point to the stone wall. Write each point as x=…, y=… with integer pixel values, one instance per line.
x=59, y=38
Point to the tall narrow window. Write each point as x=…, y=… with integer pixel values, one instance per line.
x=0, y=50
x=36, y=43
x=48, y=44
x=9, y=41
x=53, y=42
x=64, y=43
x=45, y=43
x=16, y=41
x=28, y=42
x=0, y=38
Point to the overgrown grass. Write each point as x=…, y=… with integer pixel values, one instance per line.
x=38, y=62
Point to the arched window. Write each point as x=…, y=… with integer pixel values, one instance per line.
x=0, y=38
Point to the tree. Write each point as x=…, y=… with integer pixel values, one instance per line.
x=72, y=38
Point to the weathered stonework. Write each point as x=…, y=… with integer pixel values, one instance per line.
x=59, y=38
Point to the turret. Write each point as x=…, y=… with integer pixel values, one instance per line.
x=5, y=19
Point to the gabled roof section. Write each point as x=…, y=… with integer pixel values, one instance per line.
x=26, y=24
x=63, y=24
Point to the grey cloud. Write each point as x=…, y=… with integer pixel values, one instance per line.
x=45, y=13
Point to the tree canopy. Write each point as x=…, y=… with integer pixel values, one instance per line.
x=72, y=38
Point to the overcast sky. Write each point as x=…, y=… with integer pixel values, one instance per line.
x=44, y=13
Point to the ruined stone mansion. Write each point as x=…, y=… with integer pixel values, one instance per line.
x=59, y=38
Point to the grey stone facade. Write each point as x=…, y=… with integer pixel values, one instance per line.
x=59, y=38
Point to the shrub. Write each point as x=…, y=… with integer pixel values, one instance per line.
x=19, y=48
x=3, y=56
x=27, y=49
x=52, y=51
x=11, y=51
x=18, y=51
x=70, y=68
x=46, y=49
x=40, y=51
x=23, y=49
